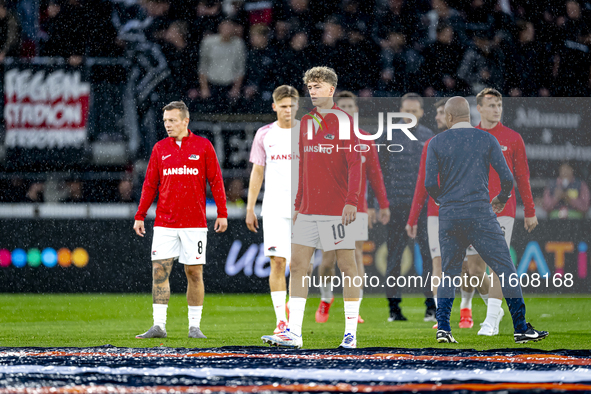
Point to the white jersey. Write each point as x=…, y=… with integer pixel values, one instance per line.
x=272, y=148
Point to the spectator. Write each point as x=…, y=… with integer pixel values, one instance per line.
x=235, y=193
x=9, y=33
x=181, y=59
x=65, y=35
x=298, y=16
x=360, y=73
x=260, y=81
x=401, y=18
x=483, y=64
x=35, y=193
x=75, y=191
x=528, y=72
x=331, y=48
x=567, y=197
x=206, y=18
x=400, y=66
x=158, y=15
x=222, y=66
x=295, y=60
x=442, y=61
x=442, y=13
x=352, y=17
x=574, y=60
x=479, y=17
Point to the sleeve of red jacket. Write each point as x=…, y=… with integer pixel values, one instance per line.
x=376, y=179
x=216, y=181
x=421, y=195
x=150, y=187
x=521, y=175
x=354, y=170
x=298, y=199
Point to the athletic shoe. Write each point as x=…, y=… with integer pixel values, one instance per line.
x=531, y=334
x=284, y=339
x=466, y=318
x=322, y=312
x=349, y=342
x=445, y=337
x=281, y=326
x=430, y=314
x=195, y=332
x=435, y=326
x=396, y=316
x=489, y=330
x=154, y=332
x=360, y=320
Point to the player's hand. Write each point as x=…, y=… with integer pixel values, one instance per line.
x=294, y=218
x=530, y=223
x=349, y=214
x=411, y=231
x=371, y=217
x=251, y=221
x=497, y=205
x=384, y=216
x=221, y=225
x=139, y=228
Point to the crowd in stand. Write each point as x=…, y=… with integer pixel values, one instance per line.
x=234, y=52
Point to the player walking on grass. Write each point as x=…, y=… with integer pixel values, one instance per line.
x=326, y=204
x=490, y=106
x=418, y=201
x=370, y=169
x=462, y=157
x=179, y=168
x=271, y=157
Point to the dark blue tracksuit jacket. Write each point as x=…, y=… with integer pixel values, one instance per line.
x=462, y=157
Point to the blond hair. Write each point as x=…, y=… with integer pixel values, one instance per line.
x=321, y=74
x=488, y=92
x=180, y=105
x=284, y=91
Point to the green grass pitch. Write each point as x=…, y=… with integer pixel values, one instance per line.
x=85, y=320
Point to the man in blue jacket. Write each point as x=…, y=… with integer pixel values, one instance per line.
x=462, y=157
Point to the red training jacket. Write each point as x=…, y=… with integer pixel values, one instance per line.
x=421, y=195
x=179, y=176
x=514, y=152
x=330, y=168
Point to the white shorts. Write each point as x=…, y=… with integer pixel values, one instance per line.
x=188, y=244
x=433, y=233
x=361, y=227
x=277, y=236
x=323, y=232
x=506, y=223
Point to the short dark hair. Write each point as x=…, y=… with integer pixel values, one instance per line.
x=488, y=92
x=440, y=103
x=180, y=105
x=284, y=91
x=345, y=94
x=411, y=96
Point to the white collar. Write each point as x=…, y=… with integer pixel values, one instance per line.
x=462, y=125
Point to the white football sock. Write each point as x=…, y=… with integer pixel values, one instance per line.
x=159, y=313
x=326, y=291
x=351, y=313
x=195, y=315
x=297, y=306
x=484, y=298
x=466, y=299
x=492, y=311
x=278, y=298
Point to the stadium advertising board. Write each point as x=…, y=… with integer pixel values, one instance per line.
x=106, y=256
